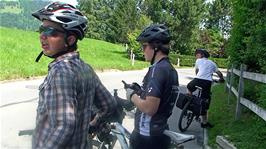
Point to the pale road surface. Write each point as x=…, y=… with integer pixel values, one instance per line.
x=18, y=105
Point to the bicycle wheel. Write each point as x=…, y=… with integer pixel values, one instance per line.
x=186, y=118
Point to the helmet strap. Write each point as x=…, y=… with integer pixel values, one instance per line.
x=154, y=55
x=38, y=57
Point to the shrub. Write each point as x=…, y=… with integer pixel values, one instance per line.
x=134, y=45
x=247, y=42
x=188, y=60
x=221, y=62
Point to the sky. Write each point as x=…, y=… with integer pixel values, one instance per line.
x=72, y=2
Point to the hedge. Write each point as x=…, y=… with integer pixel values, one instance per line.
x=188, y=60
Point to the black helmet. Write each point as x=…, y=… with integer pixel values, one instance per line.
x=155, y=32
x=65, y=14
x=204, y=52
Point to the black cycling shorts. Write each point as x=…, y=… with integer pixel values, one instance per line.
x=206, y=91
x=138, y=141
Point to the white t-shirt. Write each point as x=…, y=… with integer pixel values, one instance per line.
x=206, y=68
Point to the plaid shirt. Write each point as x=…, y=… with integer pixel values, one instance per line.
x=65, y=104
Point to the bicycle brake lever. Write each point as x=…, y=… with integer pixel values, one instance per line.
x=125, y=84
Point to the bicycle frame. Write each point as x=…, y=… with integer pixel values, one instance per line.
x=122, y=135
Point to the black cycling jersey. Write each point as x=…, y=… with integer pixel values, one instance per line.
x=158, y=82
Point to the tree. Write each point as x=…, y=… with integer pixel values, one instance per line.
x=124, y=20
x=99, y=13
x=213, y=41
x=247, y=42
x=182, y=18
x=132, y=35
x=154, y=9
x=219, y=16
x=218, y=24
x=22, y=19
x=184, y=21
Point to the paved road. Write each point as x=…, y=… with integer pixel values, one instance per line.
x=18, y=104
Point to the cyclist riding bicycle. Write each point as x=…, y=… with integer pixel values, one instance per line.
x=204, y=69
x=154, y=100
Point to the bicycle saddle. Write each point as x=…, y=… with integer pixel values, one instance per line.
x=179, y=138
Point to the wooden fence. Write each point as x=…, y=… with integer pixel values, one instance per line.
x=241, y=101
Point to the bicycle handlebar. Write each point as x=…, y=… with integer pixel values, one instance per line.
x=218, y=80
x=125, y=84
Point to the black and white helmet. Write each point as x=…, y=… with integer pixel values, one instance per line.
x=155, y=32
x=67, y=15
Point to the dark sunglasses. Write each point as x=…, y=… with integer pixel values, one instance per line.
x=49, y=31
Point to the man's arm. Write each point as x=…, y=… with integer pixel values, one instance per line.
x=196, y=71
x=220, y=75
x=60, y=105
x=149, y=106
x=155, y=88
x=104, y=101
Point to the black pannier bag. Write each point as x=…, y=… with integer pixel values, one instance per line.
x=181, y=100
x=196, y=106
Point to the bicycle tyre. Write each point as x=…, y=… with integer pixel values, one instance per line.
x=186, y=118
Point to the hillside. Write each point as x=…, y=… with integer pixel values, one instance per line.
x=17, y=14
x=18, y=50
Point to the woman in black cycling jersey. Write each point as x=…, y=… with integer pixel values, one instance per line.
x=155, y=102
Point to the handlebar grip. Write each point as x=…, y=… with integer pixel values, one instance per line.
x=125, y=84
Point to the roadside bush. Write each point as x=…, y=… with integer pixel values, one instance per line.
x=253, y=90
x=134, y=45
x=221, y=62
x=185, y=60
x=188, y=60
x=247, y=42
x=262, y=96
x=143, y=22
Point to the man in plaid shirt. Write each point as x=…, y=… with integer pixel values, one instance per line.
x=71, y=87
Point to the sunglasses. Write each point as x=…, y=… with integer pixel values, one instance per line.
x=49, y=31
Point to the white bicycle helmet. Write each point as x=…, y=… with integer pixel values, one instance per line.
x=67, y=15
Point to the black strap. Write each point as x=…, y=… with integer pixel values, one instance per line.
x=39, y=56
x=153, y=58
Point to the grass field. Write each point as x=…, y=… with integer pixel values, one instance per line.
x=247, y=133
x=18, y=50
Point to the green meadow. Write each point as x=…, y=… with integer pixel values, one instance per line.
x=19, y=49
